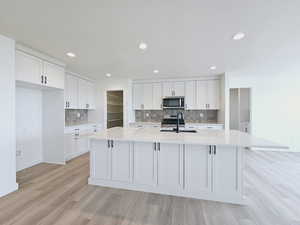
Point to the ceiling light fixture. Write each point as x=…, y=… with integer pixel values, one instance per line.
x=143, y=46
x=238, y=36
x=212, y=67
x=155, y=71
x=71, y=54
x=108, y=75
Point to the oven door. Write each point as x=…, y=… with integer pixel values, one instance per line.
x=173, y=103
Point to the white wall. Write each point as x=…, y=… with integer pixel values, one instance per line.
x=100, y=114
x=28, y=127
x=275, y=99
x=7, y=117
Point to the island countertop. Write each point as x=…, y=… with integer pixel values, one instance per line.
x=202, y=137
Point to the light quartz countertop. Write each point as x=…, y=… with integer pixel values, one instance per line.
x=202, y=137
x=159, y=123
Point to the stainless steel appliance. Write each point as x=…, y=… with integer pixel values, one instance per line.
x=176, y=102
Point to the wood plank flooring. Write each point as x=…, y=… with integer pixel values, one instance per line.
x=51, y=194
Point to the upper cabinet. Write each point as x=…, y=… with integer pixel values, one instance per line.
x=147, y=96
x=173, y=88
x=79, y=93
x=34, y=70
x=208, y=94
x=71, y=92
x=199, y=94
x=190, y=95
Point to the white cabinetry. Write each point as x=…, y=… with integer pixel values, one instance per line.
x=144, y=161
x=227, y=168
x=208, y=94
x=138, y=94
x=71, y=92
x=79, y=93
x=147, y=96
x=205, y=172
x=111, y=160
x=173, y=88
x=198, y=168
x=34, y=70
x=190, y=95
x=169, y=164
x=28, y=68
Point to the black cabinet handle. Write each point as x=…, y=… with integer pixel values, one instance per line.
x=46, y=80
x=158, y=146
x=108, y=143
x=215, y=150
x=66, y=104
x=154, y=146
x=42, y=79
x=209, y=150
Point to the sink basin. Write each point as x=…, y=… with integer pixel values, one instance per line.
x=174, y=130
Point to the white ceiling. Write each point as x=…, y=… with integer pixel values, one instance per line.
x=184, y=37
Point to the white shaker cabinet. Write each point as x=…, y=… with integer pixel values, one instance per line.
x=28, y=68
x=169, y=167
x=190, y=95
x=91, y=95
x=208, y=94
x=34, y=70
x=54, y=75
x=227, y=167
x=173, y=88
x=147, y=96
x=71, y=92
x=198, y=169
x=111, y=160
x=157, y=96
x=144, y=161
x=83, y=93
x=120, y=161
x=138, y=96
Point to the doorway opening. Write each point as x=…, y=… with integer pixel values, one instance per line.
x=114, y=109
x=240, y=109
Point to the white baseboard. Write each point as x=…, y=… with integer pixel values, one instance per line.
x=10, y=189
x=76, y=154
x=31, y=164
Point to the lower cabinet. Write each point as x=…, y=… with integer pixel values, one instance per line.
x=198, y=169
x=111, y=160
x=205, y=172
x=144, y=164
x=75, y=145
x=169, y=167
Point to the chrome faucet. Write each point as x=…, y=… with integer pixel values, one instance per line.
x=177, y=124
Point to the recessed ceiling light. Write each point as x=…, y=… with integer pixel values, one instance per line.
x=71, y=54
x=155, y=71
x=108, y=75
x=143, y=46
x=238, y=36
x=212, y=67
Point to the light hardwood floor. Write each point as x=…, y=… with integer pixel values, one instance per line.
x=51, y=194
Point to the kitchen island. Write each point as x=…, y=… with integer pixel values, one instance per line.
x=205, y=165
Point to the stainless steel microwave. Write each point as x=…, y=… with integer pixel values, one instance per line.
x=173, y=103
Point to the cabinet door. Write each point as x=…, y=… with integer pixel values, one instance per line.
x=138, y=96
x=100, y=159
x=144, y=163
x=168, y=89
x=178, y=88
x=190, y=95
x=70, y=146
x=71, y=91
x=169, y=167
x=91, y=95
x=157, y=96
x=227, y=168
x=28, y=68
x=55, y=75
x=147, y=96
x=198, y=164
x=82, y=145
x=201, y=94
x=213, y=94
x=83, y=94
x=120, y=168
